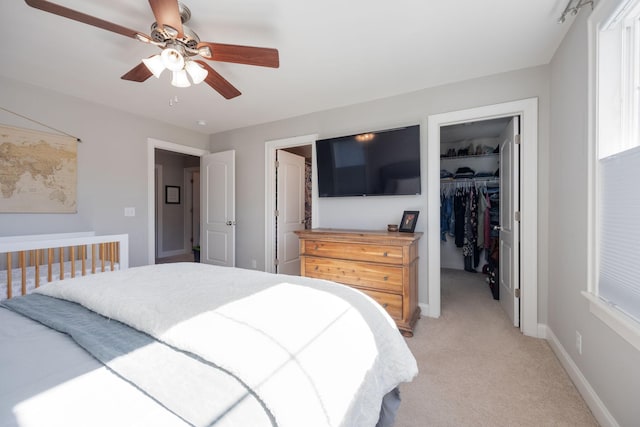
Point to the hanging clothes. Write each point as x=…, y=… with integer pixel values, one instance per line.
x=469, y=248
x=460, y=207
x=469, y=209
x=482, y=210
x=446, y=211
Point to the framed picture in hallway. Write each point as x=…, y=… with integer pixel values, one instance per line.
x=172, y=194
x=409, y=220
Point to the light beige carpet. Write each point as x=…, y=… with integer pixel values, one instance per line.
x=478, y=370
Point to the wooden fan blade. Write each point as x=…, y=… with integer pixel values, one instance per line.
x=219, y=83
x=65, y=12
x=261, y=56
x=139, y=73
x=167, y=12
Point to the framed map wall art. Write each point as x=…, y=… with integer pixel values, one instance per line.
x=38, y=172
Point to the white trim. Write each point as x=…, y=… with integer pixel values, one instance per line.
x=592, y=131
x=527, y=109
x=152, y=144
x=270, y=191
x=622, y=324
x=593, y=401
x=188, y=204
x=158, y=232
x=174, y=252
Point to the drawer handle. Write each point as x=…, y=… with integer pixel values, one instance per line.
x=386, y=278
x=316, y=269
x=384, y=254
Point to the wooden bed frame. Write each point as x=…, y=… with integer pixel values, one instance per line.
x=26, y=259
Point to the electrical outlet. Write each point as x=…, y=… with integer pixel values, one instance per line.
x=579, y=342
x=129, y=211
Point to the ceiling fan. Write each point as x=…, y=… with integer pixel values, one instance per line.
x=180, y=47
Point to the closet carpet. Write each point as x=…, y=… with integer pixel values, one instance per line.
x=478, y=370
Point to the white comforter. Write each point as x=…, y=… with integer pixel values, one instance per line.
x=317, y=353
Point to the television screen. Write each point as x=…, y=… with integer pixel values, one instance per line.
x=370, y=164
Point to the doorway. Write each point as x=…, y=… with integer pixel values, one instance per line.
x=155, y=194
x=527, y=109
x=304, y=146
x=293, y=205
x=479, y=196
x=175, y=216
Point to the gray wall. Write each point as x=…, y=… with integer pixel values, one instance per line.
x=376, y=212
x=610, y=364
x=112, y=163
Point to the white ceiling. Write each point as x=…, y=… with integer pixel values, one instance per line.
x=332, y=53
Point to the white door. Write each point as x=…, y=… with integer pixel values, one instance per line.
x=217, y=242
x=290, y=211
x=509, y=267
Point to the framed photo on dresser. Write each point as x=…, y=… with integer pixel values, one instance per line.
x=409, y=220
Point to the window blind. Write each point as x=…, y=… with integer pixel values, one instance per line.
x=619, y=231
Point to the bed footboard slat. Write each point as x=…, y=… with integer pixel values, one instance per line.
x=9, y=268
x=103, y=254
x=72, y=258
x=61, y=261
x=39, y=255
x=50, y=265
x=83, y=255
x=23, y=268
x=64, y=256
x=93, y=259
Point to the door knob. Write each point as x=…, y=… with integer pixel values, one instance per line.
x=231, y=223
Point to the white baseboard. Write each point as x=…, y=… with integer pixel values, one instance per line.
x=165, y=254
x=424, y=309
x=542, y=331
x=599, y=410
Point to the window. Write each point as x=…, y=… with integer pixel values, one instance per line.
x=614, y=290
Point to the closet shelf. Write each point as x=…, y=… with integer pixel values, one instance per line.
x=469, y=156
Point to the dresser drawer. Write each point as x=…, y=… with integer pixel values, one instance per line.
x=391, y=302
x=359, y=274
x=354, y=251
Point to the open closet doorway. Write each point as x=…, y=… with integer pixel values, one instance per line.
x=479, y=194
x=291, y=200
x=525, y=247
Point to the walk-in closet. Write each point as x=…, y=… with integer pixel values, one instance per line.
x=470, y=196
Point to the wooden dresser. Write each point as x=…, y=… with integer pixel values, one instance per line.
x=382, y=264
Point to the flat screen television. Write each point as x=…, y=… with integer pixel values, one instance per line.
x=379, y=163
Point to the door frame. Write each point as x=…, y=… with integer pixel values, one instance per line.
x=270, y=191
x=188, y=205
x=152, y=144
x=158, y=215
x=527, y=109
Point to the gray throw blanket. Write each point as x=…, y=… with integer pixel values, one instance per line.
x=197, y=391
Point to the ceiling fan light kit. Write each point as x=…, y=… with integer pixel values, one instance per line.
x=155, y=65
x=172, y=59
x=180, y=79
x=179, y=45
x=196, y=72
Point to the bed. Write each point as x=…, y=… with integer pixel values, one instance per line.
x=196, y=344
x=26, y=262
